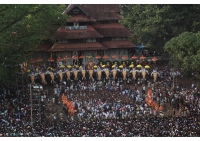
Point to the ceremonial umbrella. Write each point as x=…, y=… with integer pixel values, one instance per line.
x=147, y=67
x=32, y=61
x=154, y=59
x=98, y=57
x=124, y=57
x=95, y=66
x=89, y=56
x=59, y=59
x=82, y=56
x=62, y=66
x=134, y=57
x=114, y=56
x=66, y=58
x=74, y=57
x=50, y=59
x=39, y=59
x=142, y=57
x=105, y=57
x=138, y=66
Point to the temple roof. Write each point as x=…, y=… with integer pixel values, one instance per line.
x=100, y=12
x=118, y=44
x=44, y=47
x=111, y=30
x=80, y=46
x=90, y=32
x=80, y=18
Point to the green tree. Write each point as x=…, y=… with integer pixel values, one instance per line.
x=22, y=28
x=184, y=52
x=155, y=24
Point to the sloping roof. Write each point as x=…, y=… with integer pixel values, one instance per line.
x=103, y=12
x=72, y=6
x=81, y=46
x=111, y=30
x=90, y=32
x=90, y=8
x=118, y=44
x=80, y=18
x=44, y=47
x=100, y=12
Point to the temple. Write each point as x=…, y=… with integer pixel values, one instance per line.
x=91, y=30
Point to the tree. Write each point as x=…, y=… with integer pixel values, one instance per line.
x=22, y=28
x=184, y=52
x=154, y=25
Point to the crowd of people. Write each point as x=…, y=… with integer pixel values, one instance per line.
x=110, y=109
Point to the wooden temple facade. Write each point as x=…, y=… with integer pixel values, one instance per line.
x=92, y=30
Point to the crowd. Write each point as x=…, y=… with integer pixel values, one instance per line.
x=109, y=109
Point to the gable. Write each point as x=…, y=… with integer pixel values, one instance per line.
x=75, y=10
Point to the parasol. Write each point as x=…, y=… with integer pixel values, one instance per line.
x=105, y=57
x=98, y=57
x=62, y=66
x=59, y=59
x=139, y=66
x=66, y=58
x=50, y=59
x=74, y=57
x=147, y=67
x=32, y=61
x=124, y=57
x=39, y=59
x=142, y=57
x=82, y=56
x=114, y=56
x=134, y=57
x=154, y=59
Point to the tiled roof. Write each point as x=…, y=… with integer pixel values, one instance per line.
x=81, y=46
x=77, y=34
x=100, y=12
x=118, y=44
x=44, y=47
x=111, y=30
x=91, y=8
x=80, y=18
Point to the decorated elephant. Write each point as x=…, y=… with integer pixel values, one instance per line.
x=144, y=72
x=106, y=70
x=99, y=73
x=42, y=75
x=60, y=74
x=155, y=75
x=68, y=74
x=33, y=77
x=90, y=74
x=124, y=73
x=75, y=71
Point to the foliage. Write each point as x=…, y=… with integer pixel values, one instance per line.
x=155, y=24
x=184, y=52
x=22, y=28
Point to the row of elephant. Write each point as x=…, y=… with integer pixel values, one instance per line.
x=97, y=74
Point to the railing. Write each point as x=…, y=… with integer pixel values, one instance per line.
x=75, y=27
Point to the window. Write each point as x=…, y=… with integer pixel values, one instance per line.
x=90, y=40
x=76, y=24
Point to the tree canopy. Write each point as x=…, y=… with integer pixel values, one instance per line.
x=184, y=52
x=155, y=24
x=22, y=28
